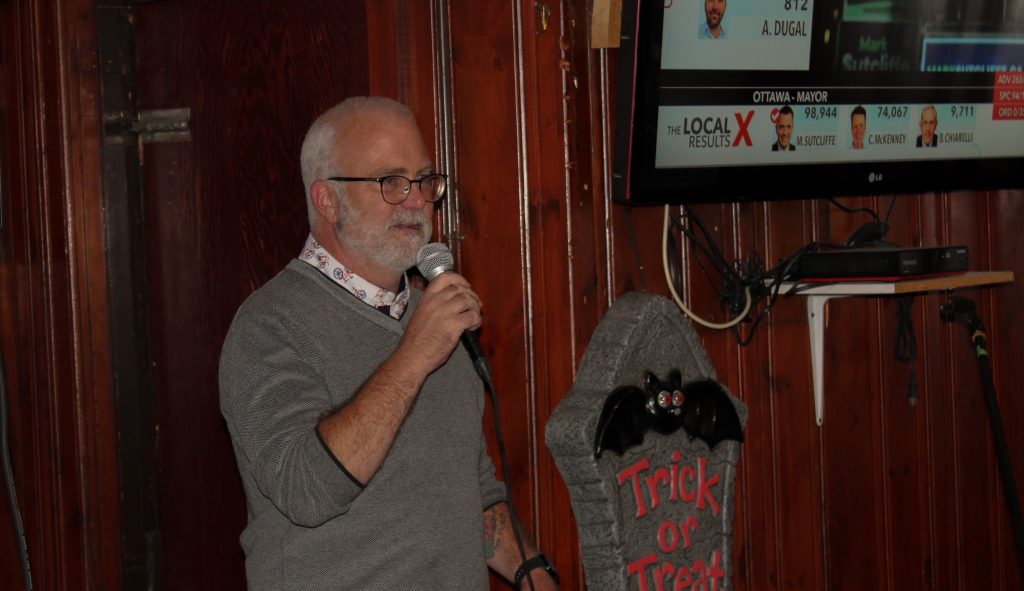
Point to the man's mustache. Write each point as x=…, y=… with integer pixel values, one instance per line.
x=408, y=219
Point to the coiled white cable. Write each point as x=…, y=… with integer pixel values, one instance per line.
x=679, y=301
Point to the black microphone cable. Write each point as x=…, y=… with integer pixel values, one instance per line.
x=433, y=260
x=12, y=494
x=504, y=470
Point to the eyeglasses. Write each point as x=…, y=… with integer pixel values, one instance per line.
x=395, y=188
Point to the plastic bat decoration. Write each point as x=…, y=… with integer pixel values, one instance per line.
x=702, y=408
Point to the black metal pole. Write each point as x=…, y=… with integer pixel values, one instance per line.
x=963, y=310
x=1002, y=450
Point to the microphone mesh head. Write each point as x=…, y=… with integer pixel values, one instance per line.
x=434, y=259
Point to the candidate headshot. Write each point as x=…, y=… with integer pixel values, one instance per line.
x=858, y=126
x=929, y=122
x=714, y=12
x=784, y=131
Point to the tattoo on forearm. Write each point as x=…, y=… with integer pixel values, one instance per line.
x=490, y=531
x=499, y=539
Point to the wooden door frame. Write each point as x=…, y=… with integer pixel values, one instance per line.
x=55, y=307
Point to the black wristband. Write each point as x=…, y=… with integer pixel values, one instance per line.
x=538, y=561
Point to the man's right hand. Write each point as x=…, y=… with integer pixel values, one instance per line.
x=448, y=308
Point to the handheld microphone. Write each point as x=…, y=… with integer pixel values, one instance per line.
x=433, y=260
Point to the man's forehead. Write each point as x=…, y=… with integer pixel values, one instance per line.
x=371, y=122
x=387, y=144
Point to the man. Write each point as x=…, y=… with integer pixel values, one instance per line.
x=714, y=12
x=784, y=130
x=355, y=416
x=858, y=126
x=929, y=122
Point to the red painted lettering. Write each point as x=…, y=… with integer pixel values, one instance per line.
x=716, y=573
x=639, y=567
x=689, y=484
x=683, y=579
x=668, y=537
x=688, y=527
x=705, y=488
x=687, y=473
x=632, y=473
x=676, y=457
x=698, y=577
x=701, y=582
x=660, y=476
x=665, y=572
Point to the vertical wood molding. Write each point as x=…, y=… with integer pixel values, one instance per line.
x=65, y=440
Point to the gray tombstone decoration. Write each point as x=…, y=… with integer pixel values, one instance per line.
x=663, y=510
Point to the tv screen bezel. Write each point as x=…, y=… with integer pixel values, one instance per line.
x=636, y=181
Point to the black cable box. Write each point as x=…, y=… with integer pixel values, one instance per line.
x=882, y=263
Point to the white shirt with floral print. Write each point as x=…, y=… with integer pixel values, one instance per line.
x=386, y=301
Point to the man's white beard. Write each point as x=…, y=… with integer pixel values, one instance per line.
x=393, y=253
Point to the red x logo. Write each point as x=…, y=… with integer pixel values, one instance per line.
x=744, y=132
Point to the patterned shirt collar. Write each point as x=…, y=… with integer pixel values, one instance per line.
x=392, y=304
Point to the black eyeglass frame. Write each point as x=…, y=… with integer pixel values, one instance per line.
x=428, y=197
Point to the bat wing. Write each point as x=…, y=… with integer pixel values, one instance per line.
x=708, y=413
x=624, y=421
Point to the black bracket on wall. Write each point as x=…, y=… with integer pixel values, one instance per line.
x=156, y=126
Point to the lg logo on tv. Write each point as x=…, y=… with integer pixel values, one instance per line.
x=874, y=177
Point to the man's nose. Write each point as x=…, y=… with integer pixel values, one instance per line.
x=415, y=199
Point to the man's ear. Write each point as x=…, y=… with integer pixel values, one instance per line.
x=324, y=201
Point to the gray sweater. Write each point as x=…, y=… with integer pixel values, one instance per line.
x=298, y=348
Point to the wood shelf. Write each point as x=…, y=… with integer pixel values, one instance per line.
x=818, y=296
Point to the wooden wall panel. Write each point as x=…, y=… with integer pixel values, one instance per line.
x=225, y=213
x=796, y=456
x=55, y=344
x=588, y=214
x=497, y=185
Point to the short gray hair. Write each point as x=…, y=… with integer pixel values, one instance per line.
x=320, y=151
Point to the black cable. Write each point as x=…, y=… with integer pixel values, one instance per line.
x=12, y=494
x=732, y=279
x=674, y=264
x=866, y=210
x=513, y=517
x=905, y=348
x=888, y=212
x=732, y=291
x=777, y=276
x=1002, y=451
x=961, y=309
x=712, y=250
x=675, y=268
x=5, y=448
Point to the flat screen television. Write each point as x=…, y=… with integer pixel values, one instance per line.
x=732, y=100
